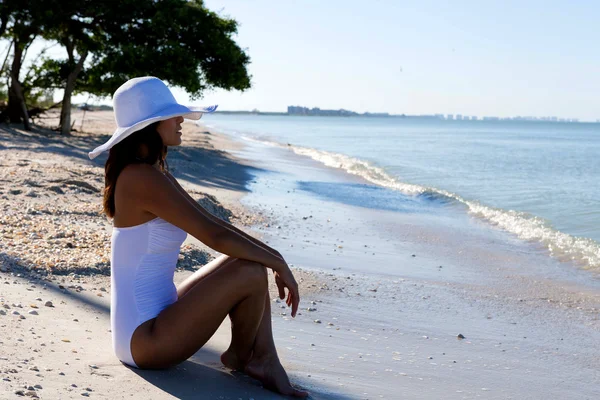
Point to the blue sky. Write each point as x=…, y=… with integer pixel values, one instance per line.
x=471, y=57
x=502, y=58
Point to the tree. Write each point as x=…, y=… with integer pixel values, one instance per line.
x=179, y=41
x=20, y=24
x=22, y=21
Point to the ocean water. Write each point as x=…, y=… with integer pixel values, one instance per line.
x=537, y=181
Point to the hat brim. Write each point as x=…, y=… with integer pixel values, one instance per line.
x=175, y=110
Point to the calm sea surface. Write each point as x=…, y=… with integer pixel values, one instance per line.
x=538, y=181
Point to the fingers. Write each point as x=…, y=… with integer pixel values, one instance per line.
x=295, y=301
x=280, y=287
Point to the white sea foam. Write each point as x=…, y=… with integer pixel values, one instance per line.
x=583, y=251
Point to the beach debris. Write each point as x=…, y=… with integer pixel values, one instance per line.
x=49, y=304
x=2, y=312
x=33, y=306
x=32, y=312
x=460, y=336
x=15, y=312
x=317, y=321
x=311, y=309
x=414, y=255
x=66, y=340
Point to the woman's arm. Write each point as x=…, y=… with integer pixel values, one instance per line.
x=218, y=220
x=155, y=193
x=280, y=280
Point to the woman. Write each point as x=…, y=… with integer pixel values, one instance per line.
x=155, y=324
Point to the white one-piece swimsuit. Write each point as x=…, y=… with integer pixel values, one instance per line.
x=143, y=260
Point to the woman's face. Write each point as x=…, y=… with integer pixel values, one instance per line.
x=170, y=131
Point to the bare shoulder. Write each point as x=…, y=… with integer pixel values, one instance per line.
x=144, y=189
x=149, y=189
x=138, y=178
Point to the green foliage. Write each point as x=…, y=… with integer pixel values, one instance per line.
x=178, y=41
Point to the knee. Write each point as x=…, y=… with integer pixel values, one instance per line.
x=255, y=273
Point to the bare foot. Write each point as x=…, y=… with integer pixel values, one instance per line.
x=230, y=360
x=270, y=372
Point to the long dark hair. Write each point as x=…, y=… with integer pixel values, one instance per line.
x=128, y=152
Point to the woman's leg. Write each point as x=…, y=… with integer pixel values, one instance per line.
x=183, y=328
x=264, y=365
x=230, y=358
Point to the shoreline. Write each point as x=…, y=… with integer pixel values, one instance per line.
x=380, y=333
x=490, y=284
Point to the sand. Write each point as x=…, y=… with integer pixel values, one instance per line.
x=421, y=335
x=55, y=246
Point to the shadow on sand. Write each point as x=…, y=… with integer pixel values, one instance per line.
x=199, y=165
x=202, y=376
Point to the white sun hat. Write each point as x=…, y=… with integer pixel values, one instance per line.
x=142, y=101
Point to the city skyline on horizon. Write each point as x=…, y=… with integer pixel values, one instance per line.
x=448, y=117
x=500, y=59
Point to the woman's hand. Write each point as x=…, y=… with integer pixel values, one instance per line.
x=285, y=279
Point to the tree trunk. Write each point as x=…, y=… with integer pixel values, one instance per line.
x=65, y=111
x=17, y=109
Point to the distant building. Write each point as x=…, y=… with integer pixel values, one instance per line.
x=450, y=117
x=368, y=114
x=296, y=110
x=459, y=117
x=473, y=118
